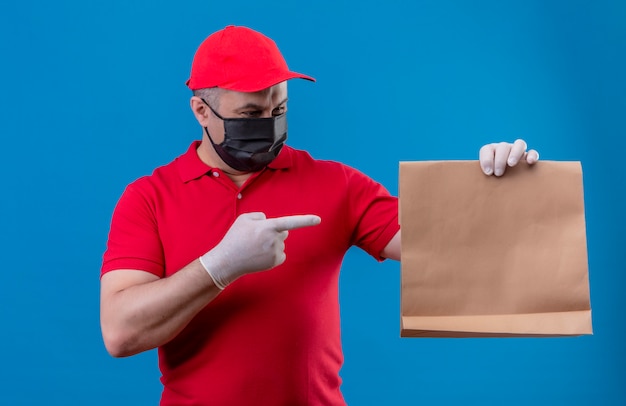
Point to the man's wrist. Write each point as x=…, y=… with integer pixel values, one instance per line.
x=208, y=266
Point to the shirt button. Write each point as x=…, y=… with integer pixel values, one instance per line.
x=239, y=196
x=216, y=174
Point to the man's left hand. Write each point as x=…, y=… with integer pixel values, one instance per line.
x=496, y=157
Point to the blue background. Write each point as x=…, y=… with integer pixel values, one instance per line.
x=92, y=96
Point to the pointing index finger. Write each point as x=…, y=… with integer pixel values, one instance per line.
x=292, y=222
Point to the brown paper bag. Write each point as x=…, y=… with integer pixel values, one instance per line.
x=493, y=257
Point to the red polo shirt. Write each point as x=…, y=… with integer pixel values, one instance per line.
x=270, y=338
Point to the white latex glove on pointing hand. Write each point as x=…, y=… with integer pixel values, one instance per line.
x=253, y=243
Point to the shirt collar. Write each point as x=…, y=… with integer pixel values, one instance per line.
x=191, y=167
x=284, y=159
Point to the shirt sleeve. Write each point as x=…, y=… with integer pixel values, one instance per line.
x=134, y=241
x=372, y=211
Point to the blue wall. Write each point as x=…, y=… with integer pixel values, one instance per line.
x=92, y=96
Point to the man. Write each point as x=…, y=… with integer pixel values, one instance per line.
x=198, y=262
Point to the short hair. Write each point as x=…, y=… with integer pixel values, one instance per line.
x=211, y=95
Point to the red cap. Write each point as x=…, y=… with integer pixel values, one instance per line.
x=240, y=59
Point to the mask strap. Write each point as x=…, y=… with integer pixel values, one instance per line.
x=206, y=129
x=214, y=112
x=209, y=135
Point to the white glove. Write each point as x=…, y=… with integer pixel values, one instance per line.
x=494, y=158
x=253, y=243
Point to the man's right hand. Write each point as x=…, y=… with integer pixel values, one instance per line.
x=253, y=243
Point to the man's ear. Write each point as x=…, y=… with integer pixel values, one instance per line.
x=200, y=110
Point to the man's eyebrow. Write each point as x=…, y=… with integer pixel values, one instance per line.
x=255, y=106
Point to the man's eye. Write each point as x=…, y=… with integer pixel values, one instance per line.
x=279, y=110
x=251, y=114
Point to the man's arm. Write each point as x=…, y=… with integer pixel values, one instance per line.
x=140, y=311
x=393, y=248
x=494, y=159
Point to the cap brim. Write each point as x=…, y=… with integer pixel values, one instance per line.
x=257, y=83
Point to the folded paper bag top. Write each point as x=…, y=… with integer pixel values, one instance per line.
x=493, y=257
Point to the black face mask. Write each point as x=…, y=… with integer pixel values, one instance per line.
x=250, y=144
